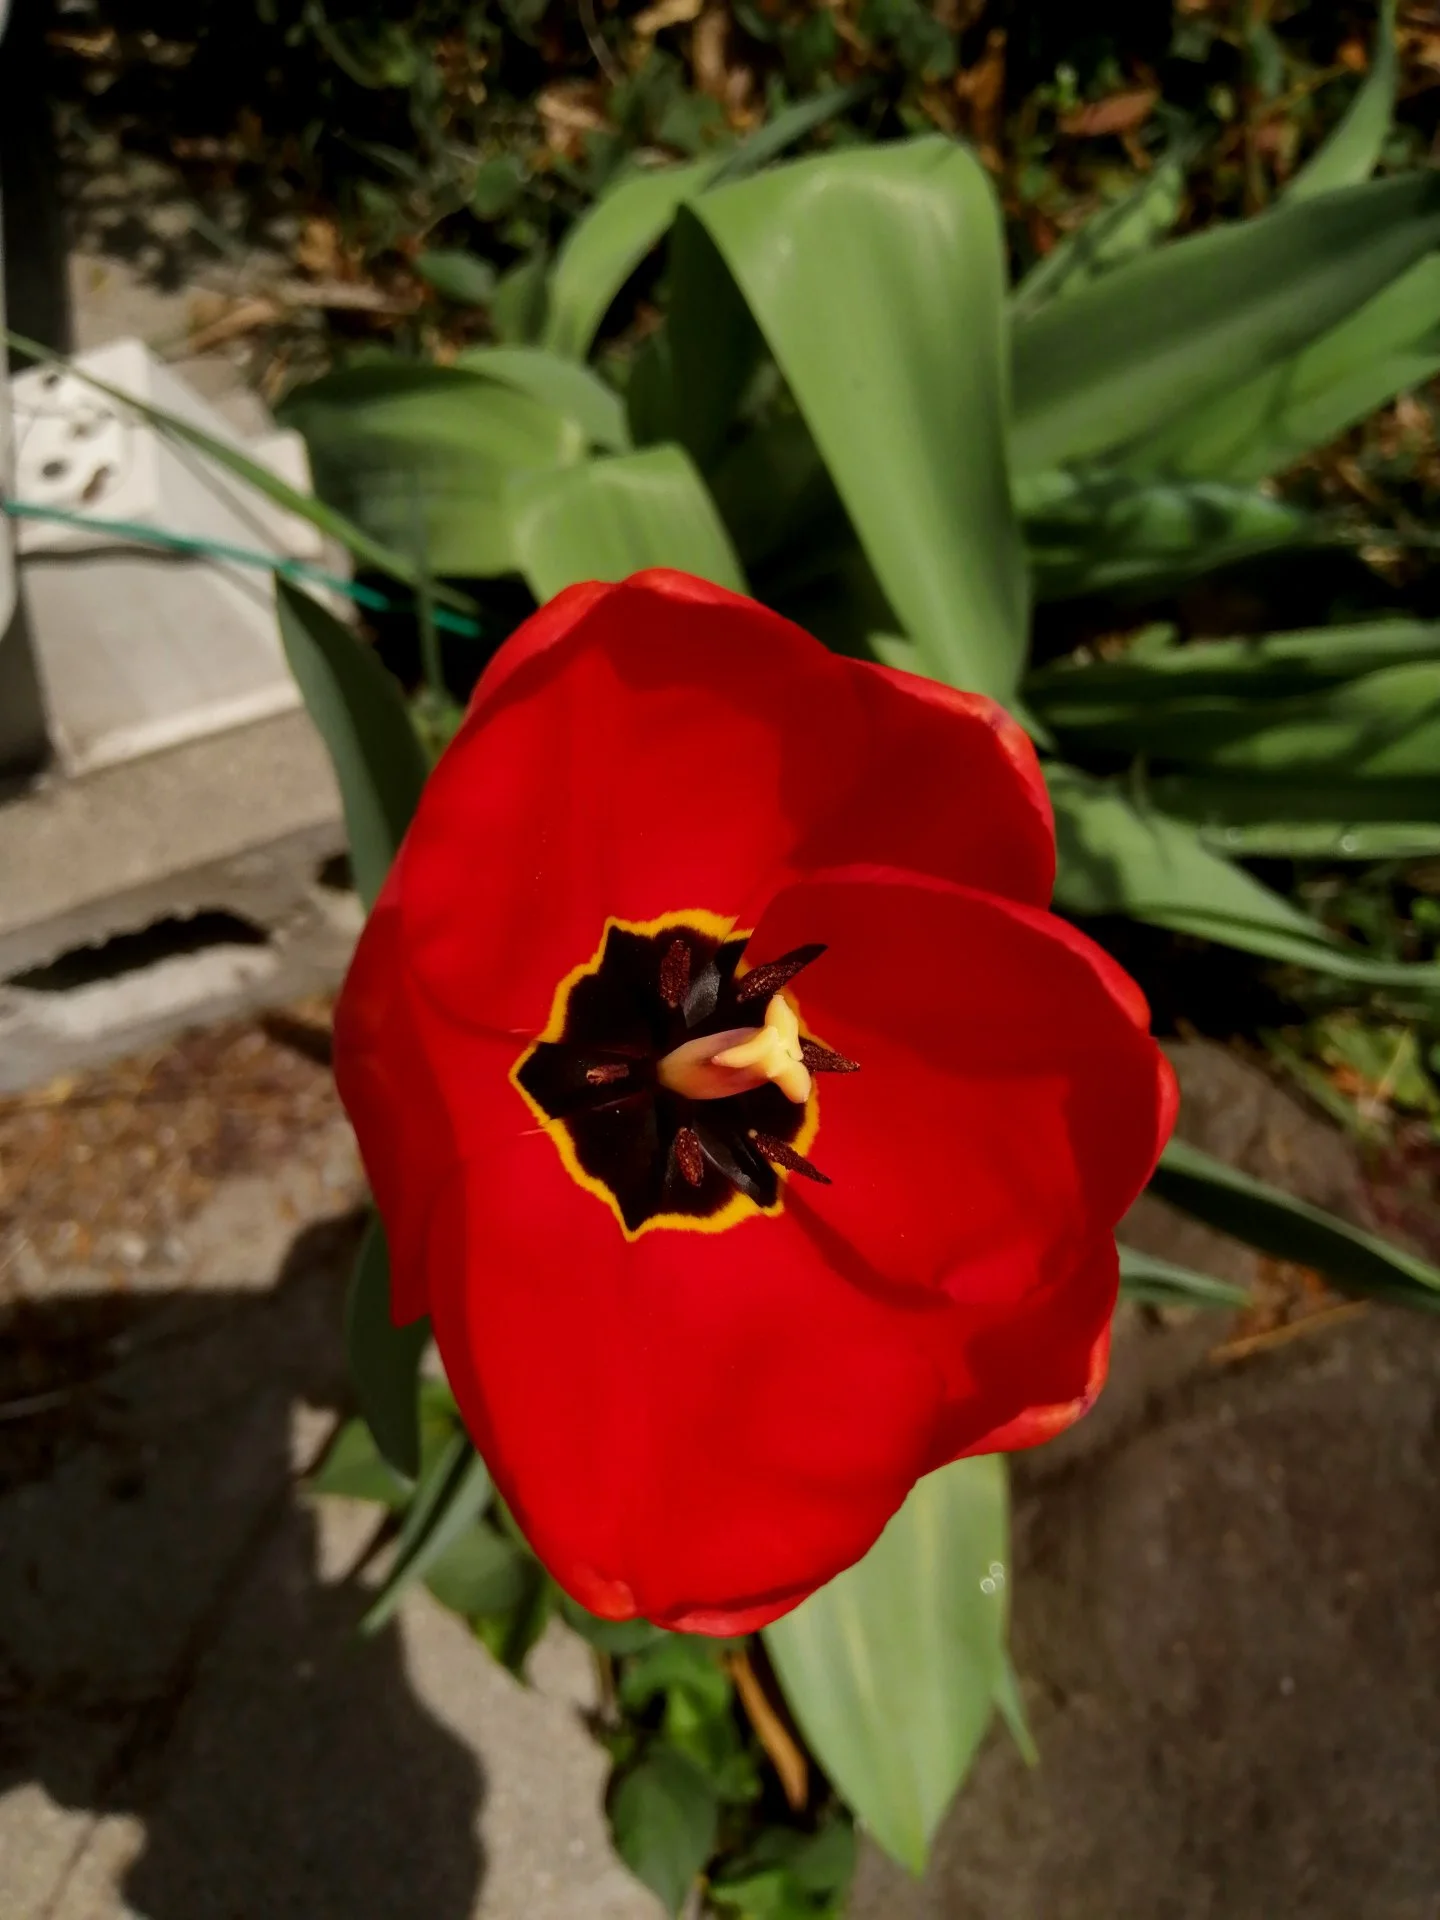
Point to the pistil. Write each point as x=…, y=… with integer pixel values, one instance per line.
x=720, y=1065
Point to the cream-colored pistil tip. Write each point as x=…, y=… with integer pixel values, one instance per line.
x=733, y=1062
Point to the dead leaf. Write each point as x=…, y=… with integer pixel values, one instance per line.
x=981, y=90
x=238, y=319
x=568, y=111
x=665, y=13
x=1120, y=113
x=770, y=1730
x=707, y=52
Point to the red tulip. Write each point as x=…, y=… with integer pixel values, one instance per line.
x=710, y=1300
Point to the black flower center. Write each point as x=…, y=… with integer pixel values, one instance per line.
x=658, y=1156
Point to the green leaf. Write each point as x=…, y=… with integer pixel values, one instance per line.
x=496, y=187
x=1189, y=322
x=876, y=275
x=891, y=1669
x=318, y=513
x=1161, y=1283
x=1289, y=1229
x=1116, y=856
x=522, y=299
x=384, y=1360
x=1011, y=1708
x=678, y=1661
x=604, y=248
x=1319, y=818
x=1127, y=227
x=789, y=1875
x=1102, y=530
x=664, y=1816
x=1351, y=151
x=421, y=455
x=360, y=715
x=561, y=384
x=355, y=1469
x=611, y=517
x=1389, y=346
x=480, y=1572
x=463, y=278
x=611, y=1636
x=450, y=1497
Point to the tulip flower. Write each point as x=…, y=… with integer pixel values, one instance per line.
x=749, y=1127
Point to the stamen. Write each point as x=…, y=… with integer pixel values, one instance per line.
x=781, y=1155
x=821, y=1060
x=762, y=982
x=606, y=1073
x=675, y=973
x=689, y=1156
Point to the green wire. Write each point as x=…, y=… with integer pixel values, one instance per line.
x=368, y=597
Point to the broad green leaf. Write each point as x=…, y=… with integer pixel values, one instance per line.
x=1391, y=345
x=1318, y=818
x=650, y=391
x=360, y=715
x=1162, y=1283
x=448, y=1501
x=664, y=1816
x=383, y=1359
x=355, y=1469
x=1191, y=321
x=522, y=300
x=496, y=187
x=611, y=1636
x=1289, y=1229
x=1128, y=226
x=1011, y=1708
x=318, y=513
x=480, y=1572
x=683, y=1661
x=1274, y=663
x=789, y=1875
x=565, y=385
x=1100, y=530
x=421, y=456
x=876, y=275
x=604, y=248
x=1116, y=856
x=891, y=1669
x=614, y=516
x=463, y=278
x=1383, y=726
x=714, y=344
x=1351, y=151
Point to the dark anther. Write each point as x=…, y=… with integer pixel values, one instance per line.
x=780, y=1155
x=606, y=1073
x=688, y=1156
x=675, y=973
x=821, y=1060
x=761, y=982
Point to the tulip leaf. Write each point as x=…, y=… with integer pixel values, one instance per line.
x=876, y=276
x=1388, y=346
x=1308, y=818
x=892, y=1669
x=317, y=513
x=769, y=141
x=383, y=1359
x=664, y=1816
x=1161, y=1283
x=604, y=248
x=1100, y=530
x=1276, y=1223
x=358, y=709
x=1117, y=856
x=450, y=1497
x=420, y=456
x=615, y=515
x=1188, y=322
x=1128, y=226
x=1351, y=151
x=565, y=385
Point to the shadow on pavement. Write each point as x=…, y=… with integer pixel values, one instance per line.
x=176, y=1620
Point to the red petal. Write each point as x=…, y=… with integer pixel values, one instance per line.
x=664, y=746
x=1009, y=1105
x=696, y=1427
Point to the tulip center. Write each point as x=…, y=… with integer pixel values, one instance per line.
x=676, y=1082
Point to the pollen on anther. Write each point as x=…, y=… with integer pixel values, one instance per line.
x=779, y=1154
x=675, y=973
x=606, y=1073
x=689, y=1156
x=761, y=982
